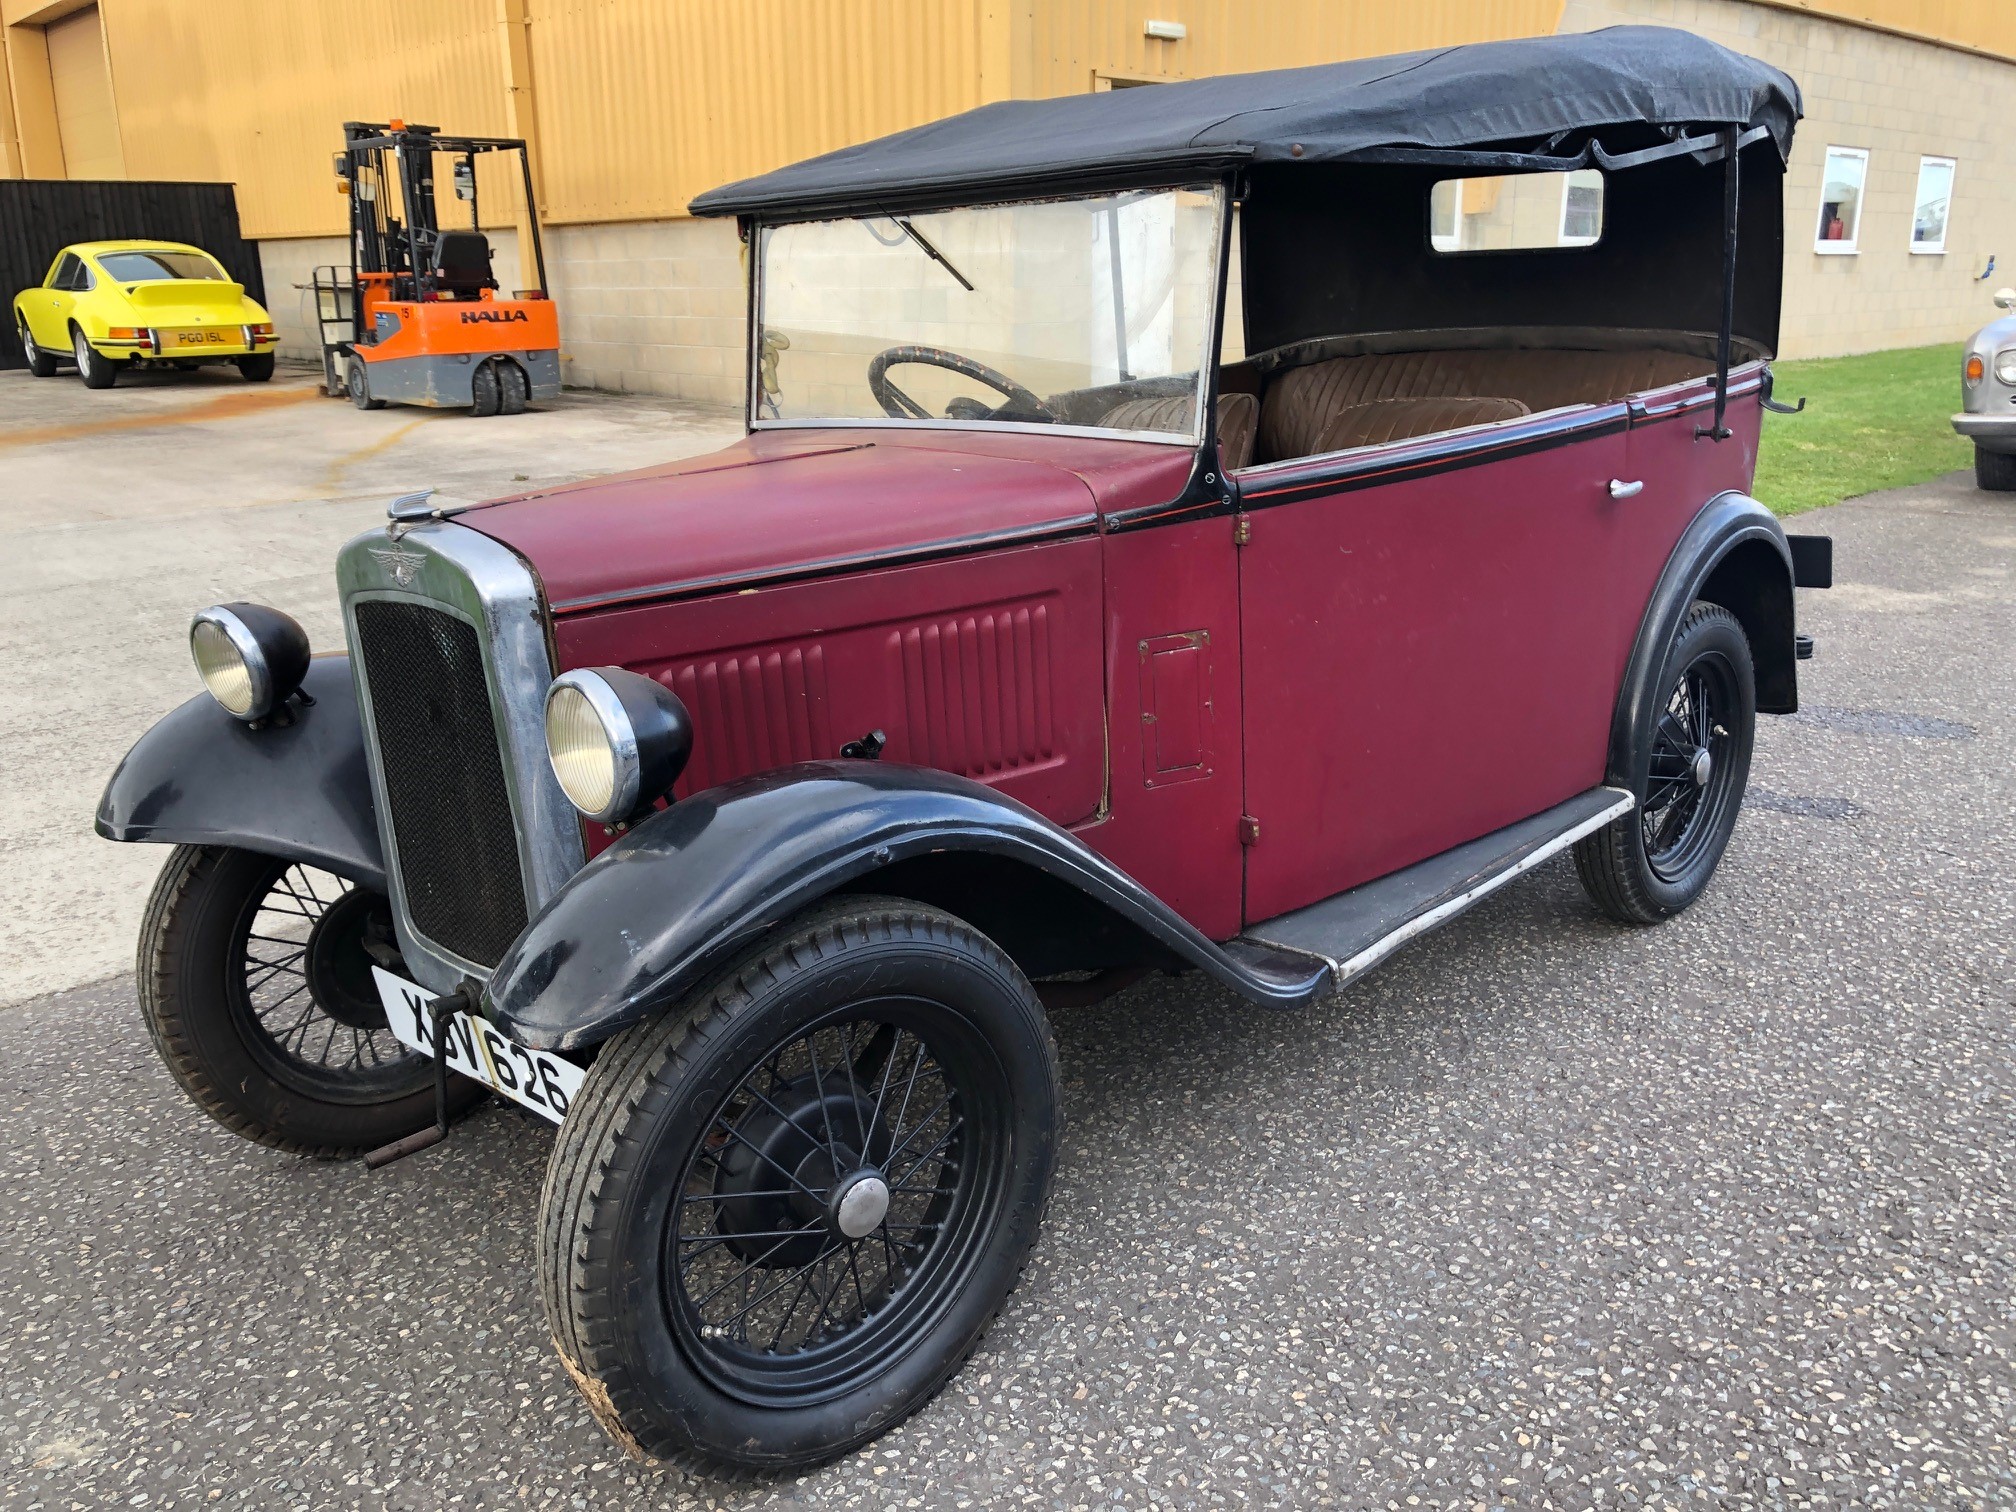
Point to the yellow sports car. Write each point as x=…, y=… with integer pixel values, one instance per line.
x=132, y=304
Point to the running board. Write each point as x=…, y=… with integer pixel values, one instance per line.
x=1356, y=930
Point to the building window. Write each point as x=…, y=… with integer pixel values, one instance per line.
x=1930, y=209
x=1581, y=207
x=1841, y=199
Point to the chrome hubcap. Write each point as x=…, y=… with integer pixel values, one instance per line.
x=861, y=1204
x=1702, y=767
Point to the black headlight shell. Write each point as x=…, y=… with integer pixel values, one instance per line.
x=617, y=740
x=251, y=658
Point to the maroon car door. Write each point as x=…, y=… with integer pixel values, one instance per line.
x=1431, y=642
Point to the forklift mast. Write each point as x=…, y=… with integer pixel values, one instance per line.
x=388, y=175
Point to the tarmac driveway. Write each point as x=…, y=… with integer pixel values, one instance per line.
x=1545, y=1213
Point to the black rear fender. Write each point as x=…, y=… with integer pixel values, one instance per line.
x=1733, y=553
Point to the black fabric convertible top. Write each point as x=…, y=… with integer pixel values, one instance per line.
x=1496, y=94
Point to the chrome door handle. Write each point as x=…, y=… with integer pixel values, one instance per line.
x=1619, y=489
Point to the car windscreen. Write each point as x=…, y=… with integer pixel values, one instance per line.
x=1092, y=311
x=148, y=267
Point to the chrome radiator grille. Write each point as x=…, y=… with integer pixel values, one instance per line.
x=453, y=833
x=447, y=635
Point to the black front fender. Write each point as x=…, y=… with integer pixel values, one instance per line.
x=298, y=790
x=653, y=916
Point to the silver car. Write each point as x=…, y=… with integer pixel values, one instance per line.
x=1988, y=398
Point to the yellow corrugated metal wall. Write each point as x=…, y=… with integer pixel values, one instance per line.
x=640, y=104
x=85, y=119
x=1982, y=25
x=644, y=103
x=1064, y=44
x=256, y=92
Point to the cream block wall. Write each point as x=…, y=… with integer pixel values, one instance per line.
x=1898, y=99
x=654, y=307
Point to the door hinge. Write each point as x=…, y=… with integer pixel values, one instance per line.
x=1242, y=528
x=1249, y=830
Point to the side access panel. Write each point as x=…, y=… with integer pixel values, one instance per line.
x=985, y=666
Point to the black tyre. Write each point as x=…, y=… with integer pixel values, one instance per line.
x=1994, y=471
x=258, y=368
x=357, y=377
x=486, y=393
x=42, y=364
x=97, y=371
x=515, y=388
x=255, y=981
x=777, y=1220
x=1653, y=862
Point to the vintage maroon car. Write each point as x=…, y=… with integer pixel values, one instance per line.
x=1229, y=527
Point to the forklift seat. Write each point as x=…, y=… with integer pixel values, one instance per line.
x=462, y=264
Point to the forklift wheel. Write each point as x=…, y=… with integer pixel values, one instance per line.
x=360, y=386
x=517, y=388
x=486, y=394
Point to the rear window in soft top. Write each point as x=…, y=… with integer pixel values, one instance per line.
x=146, y=267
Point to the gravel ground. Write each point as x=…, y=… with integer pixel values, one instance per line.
x=1546, y=1213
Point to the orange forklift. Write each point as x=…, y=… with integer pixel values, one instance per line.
x=417, y=317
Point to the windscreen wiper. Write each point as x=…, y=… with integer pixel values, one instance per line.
x=933, y=253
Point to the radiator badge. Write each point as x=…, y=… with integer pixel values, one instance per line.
x=404, y=566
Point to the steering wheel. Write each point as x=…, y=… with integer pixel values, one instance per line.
x=1020, y=403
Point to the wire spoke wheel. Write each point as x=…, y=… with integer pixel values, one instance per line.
x=1648, y=865
x=254, y=978
x=301, y=983
x=829, y=1206
x=781, y=1213
x=1692, y=777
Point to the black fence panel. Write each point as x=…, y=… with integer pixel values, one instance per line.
x=40, y=217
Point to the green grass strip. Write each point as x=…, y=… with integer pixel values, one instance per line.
x=1877, y=420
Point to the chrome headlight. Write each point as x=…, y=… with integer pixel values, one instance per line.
x=249, y=657
x=618, y=740
x=2005, y=365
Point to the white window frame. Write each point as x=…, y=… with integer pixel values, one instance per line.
x=1451, y=240
x=1952, y=167
x=1561, y=236
x=1852, y=245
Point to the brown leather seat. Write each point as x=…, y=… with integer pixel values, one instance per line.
x=1300, y=402
x=1397, y=419
x=1238, y=423
x=1238, y=420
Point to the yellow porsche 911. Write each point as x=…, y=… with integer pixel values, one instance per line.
x=110, y=305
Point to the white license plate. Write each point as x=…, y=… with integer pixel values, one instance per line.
x=544, y=1083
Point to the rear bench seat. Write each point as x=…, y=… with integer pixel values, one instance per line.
x=1361, y=401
